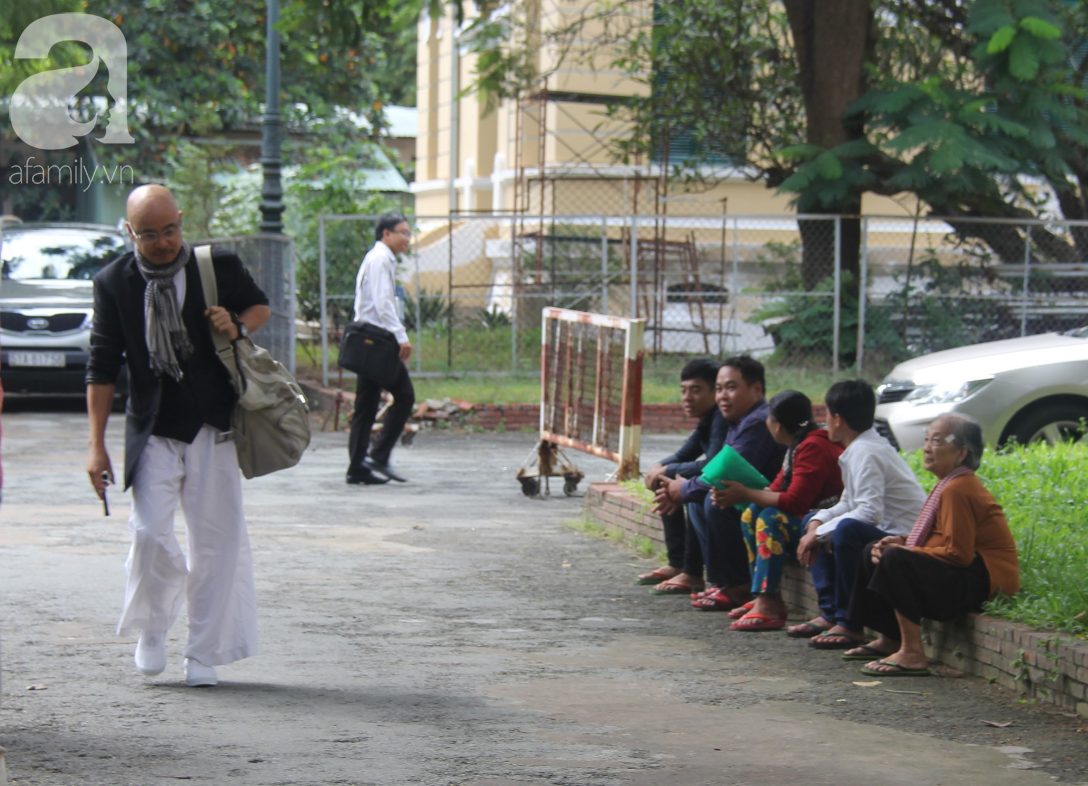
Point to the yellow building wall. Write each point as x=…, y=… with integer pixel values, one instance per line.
x=581, y=174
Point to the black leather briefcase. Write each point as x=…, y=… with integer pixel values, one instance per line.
x=371, y=352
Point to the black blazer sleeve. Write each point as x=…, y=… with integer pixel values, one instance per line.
x=237, y=289
x=683, y=462
x=107, y=334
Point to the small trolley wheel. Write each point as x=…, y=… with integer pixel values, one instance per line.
x=570, y=485
x=530, y=487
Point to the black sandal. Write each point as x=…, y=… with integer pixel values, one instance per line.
x=804, y=634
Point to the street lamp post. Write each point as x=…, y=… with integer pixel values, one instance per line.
x=272, y=131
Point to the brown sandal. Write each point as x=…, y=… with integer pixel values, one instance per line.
x=672, y=587
x=654, y=577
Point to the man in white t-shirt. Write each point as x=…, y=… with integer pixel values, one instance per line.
x=376, y=305
x=881, y=496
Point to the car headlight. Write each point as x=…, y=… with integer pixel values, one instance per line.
x=946, y=392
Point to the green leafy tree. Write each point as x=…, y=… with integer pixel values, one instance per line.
x=951, y=100
x=967, y=148
x=197, y=68
x=327, y=186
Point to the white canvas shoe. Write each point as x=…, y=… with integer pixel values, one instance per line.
x=197, y=675
x=150, y=657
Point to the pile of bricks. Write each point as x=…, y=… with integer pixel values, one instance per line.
x=1045, y=666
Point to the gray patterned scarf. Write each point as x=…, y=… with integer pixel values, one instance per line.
x=167, y=338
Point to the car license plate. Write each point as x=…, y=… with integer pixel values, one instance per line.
x=37, y=359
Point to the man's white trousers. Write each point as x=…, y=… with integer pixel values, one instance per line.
x=217, y=579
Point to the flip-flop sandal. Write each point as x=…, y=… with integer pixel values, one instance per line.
x=740, y=611
x=869, y=655
x=900, y=671
x=759, y=622
x=671, y=587
x=653, y=577
x=715, y=601
x=814, y=630
x=826, y=641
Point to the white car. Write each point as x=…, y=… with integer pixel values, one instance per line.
x=47, y=304
x=1027, y=389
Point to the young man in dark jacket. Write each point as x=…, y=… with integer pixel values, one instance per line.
x=740, y=395
x=684, y=571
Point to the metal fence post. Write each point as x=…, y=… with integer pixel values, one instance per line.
x=292, y=288
x=735, y=285
x=863, y=286
x=324, y=295
x=419, y=308
x=1027, y=282
x=835, y=319
x=449, y=294
x=515, y=328
x=604, y=264
x=634, y=267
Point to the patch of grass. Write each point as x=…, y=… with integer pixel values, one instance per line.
x=646, y=548
x=587, y=526
x=640, y=545
x=1044, y=491
x=479, y=390
x=478, y=349
x=638, y=490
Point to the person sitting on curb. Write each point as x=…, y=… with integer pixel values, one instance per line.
x=684, y=572
x=809, y=479
x=881, y=496
x=739, y=393
x=959, y=554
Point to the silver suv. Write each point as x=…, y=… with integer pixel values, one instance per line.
x=1027, y=389
x=47, y=303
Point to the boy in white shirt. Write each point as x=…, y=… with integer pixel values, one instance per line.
x=881, y=496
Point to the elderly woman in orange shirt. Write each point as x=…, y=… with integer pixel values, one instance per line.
x=958, y=555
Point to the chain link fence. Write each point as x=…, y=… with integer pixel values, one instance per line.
x=822, y=293
x=932, y=284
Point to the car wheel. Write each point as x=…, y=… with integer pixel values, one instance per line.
x=1061, y=423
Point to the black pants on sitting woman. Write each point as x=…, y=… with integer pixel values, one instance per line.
x=916, y=585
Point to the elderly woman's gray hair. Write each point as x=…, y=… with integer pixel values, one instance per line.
x=966, y=433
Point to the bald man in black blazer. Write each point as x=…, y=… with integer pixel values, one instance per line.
x=150, y=315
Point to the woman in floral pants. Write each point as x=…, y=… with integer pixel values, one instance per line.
x=772, y=522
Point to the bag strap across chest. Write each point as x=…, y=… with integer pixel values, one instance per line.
x=223, y=348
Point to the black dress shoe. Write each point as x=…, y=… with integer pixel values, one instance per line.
x=364, y=478
x=385, y=470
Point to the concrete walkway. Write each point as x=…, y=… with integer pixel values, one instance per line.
x=448, y=631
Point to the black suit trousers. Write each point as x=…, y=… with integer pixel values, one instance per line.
x=367, y=399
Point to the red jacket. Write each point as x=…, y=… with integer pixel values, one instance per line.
x=816, y=475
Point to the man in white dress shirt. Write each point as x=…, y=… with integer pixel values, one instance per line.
x=376, y=305
x=881, y=496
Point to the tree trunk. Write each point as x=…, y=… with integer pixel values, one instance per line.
x=833, y=40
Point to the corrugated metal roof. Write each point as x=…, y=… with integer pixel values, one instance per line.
x=380, y=176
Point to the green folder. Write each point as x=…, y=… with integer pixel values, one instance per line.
x=730, y=465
